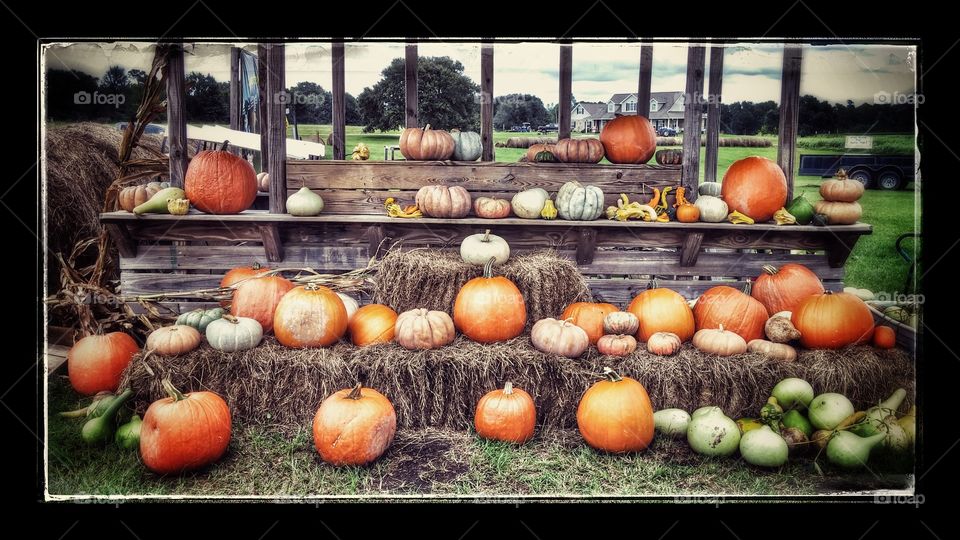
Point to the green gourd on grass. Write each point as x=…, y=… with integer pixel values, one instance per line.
x=100, y=429
x=158, y=203
x=128, y=435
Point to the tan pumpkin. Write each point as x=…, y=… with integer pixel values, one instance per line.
x=559, y=337
x=621, y=322
x=775, y=351
x=420, y=329
x=491, y=207
x=719, y=341
x=579, y=150
x=536, y=149
x=841, y=188
x=173, y=340
x=426, y=144
x=779, y=328
x=664, y=343
x=131, y=197
x=839, y=213
x=443, y=201
x=617, y=345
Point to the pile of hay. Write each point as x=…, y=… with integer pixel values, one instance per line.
x=527, y=142
x=275, y=385
x=431, y=278
x=743, y=142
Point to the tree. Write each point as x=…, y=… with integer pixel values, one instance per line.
x=352, y=114
x=206, y=99
x=65, y=95
x=137, y=76
x=446, y=98
x=515, y=109
x=310, y=103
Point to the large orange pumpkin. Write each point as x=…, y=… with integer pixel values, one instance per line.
x=490, y=309
x=238, y=274
x=354, y=426
x=629, y=139
x=735, y=311
x=662, y=310
x=184, y=431
x=578, y=150
x=781, y=289
x=615, y=415
x=95, y=363
x=426, y=144
x=310, y=316
x=218, y=182
x=755, y=186
x=258, y=298
x=506, y=415
x=832, y=320
x=589, y=316
x=373, y=323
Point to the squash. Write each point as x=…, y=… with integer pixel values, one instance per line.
x=443, y=202
x=354, y=426
x=779, y=328
x=833, y=320
x=372, y=324
x=549, y=210
x=662, y=310
x=310, y=316
x=615, y=414
x=712, y=209
x=131, y=197
x=616, y=345
x=841, y=189
x=579, y=150
x=620, y=322
x=467, y=145
x=219, y=182
x=263, y=181
x=736, y=311
x=426, y=144
x=840, y=213
x=361, y=152
x=535, y=149
x=232, y=334
x=801, y=209
x=664, y=344
x=490, y=309
x=173, y=340
x=420, y=329
x=258, y=298
x=754, y=186
x=507, y=415
x=579, y=203
x=95, y=363
x=711, y=189
x=562, y=338
x=545, y=156
x=178, y=207
x=669, y=156
x=775, y=351
x=491, y=208
x=200, y=318
x=688, y=213
x=628, y=139
x=781, y=289
x=304, y=202
x=589, y=316
x=477, y=249
x=719, y=341
x=528, y=203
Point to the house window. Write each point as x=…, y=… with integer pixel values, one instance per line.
x=654, y=106
x=631, y=107
x=579, y=110
x=610, y=107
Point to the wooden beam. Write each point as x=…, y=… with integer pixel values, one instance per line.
x=339, y=103
x=272, y=245
x=176, y=122
x=410, y=84
x=375, y=236
x=276, y=127
x=712, y=148
x=839, y=246
x=121, y=237
x=236, y=96
x=566, y=80
x=690, y=250
x=643, y=87
x=262, y=105
x=692, y=115
x=586, y=246
x=789, y=112
x=486, y=102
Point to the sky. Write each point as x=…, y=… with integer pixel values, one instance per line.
x=835, y=73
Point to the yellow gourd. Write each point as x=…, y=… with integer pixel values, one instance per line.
x=549, y=210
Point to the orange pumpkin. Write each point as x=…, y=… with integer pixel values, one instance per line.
x=884, y=337
x=218, y=182
x=426, y=144
x=95, y=363
x=688, y=213
x=238, y=274
x=536, y=149
x=489, y=309
x=841, y=189
x=310, y=316
x=629, y=139
x=616, y=345
x=615, y=415
x=258, y=298
x=662, y=310
x=507, y=415
x=579, y=150
x=733, y=310
x=755, y=186
x=589, y=316
x=373, y=323
x=832, y=320
x=354, y=426
x=781, y=289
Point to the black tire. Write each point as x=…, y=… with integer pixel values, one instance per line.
x=864, y=176
x=890, y=180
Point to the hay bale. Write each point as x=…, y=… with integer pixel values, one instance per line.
x=527, y=142
x=431, y=278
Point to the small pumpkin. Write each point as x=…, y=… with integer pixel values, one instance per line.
x=884, y=337
x=351, y=305
x=219, y=182
x=549, y=210
x=373, y=323
x=590, y=317
x=839, y=213
x=712, y=209
x=615, y=414
x=131, y=197
x=420, y=329
x=443, y=201
x=719, y=341
x=263, y=181
x=310, y=316
x=490, y=308
x=178, y=207
x=833, y=320
x=507, y=415
x=616, y=345
x=535, y=149
x=688, y=213
x=841, y=188
x=754, y=186
x=628, y=139
x=426, y=144
x=545, y=156
x=258, y=299
x=528, y=203
x=620, y=322
x=354, y=426
x=664, y=344
x=477, y=249
x=173, y=340
x=781, y=289
x=304, y=202
x=200, y=318
x=232, y=334
x=775, y=351
x=662, y=310
x=669, y=156
x=578, y=202
x=779, y=328
x=467, y=145
x=562, y=338
x=491, y=208
x=579, y=150
x=711, y=189
x=95, y=363
x=736, y=311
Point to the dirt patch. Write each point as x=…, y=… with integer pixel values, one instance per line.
x=419, y=460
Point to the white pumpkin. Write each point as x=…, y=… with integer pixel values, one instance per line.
x=710, y=188
x=304, y=203
x=263, y=181
x=529, y=202
x=578, y=202
x=477, y=249
x=231, y=334
x=712, y=209
x=350, y=303
x=466, y=145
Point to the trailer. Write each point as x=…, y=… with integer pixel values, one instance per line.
x=873, y=170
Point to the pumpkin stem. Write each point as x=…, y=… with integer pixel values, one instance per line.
x=256, y=265
x=355, y=392
x=172, y=391
x=312, y=286
x=770, y=269
x=488, y=268
x=508, y=388
x=486, y=236
x=653, y=284
x=230, y=318
x=612, y=375
x=721, y=328
x=223, y=147
x=426, y=127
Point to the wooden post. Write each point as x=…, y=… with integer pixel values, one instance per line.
x=410, y=85
x=789, y=112
x=339, y=103
x=262, y=104
x=566, y=80
x=235, y=94
x=692, y=115
x=643, y=87
x=276, y=127
x=176, y=123
x=486, y=101
x=713, y=114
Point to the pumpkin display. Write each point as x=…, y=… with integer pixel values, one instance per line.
x=477, y=249
x=662, y=310
x=351, y=305
x=238, y=274
x=562, y=338
x=535, y=149
x=489, y=308
x=712, y=209
x=841, y=188
x=578, y=202
x=232, y=334
x=884, y=337
x=467, y=145
x=669, y=156
x=443, y=201
x=590, y=317
x=615, y=414
x=173, y=340
x=491, y=208
x=754, y=186
x=131, y=197
x=183, y=432
x=629, y=139
x=839, y=213
x=528, y=203
x=719, y=341
x=664, y=344
x=310, y=316
x=421, y=329
x=781, y=289
x=218, y=182
x=95, y=363
x=263, y=181
x=426, y=144
x=507, y=415
x=258, y=298
x=620, y=322
x=200, y=318
x=775, y=351
x=616, y=345
x=737, y=312
x=578, y=150
x=373, y=323
x=354, y=426
x=832, y=320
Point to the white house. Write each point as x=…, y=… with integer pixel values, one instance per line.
x=583, y=113
x=666, y=110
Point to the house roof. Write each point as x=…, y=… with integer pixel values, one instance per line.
x=620, y=98
x=594, y=109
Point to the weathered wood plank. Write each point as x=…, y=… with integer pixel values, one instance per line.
x=339, y=102
x=272, y=245
x=643, y=85
x=712, y=147
x=262, y=106
x=222, y=258
x=148, y=233
x=690, y=251
x=692, y=115
x=56, y=356
x=789, y=112
x=176, y=115
x=132, y=283
x=120, y=235
x=586, y=246
x=486, y=102
x=235, y=93
x=566, y=82
x=276, y=126
x=375, y=237
x=410, y=85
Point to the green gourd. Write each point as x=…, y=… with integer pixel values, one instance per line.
x=98, y=430
x=128, y=435
x=545, y=156
x=158, y=203
x=200, y=318
x=801, y=209
x=851, y=451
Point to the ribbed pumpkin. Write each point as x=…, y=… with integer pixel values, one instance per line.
x=562, y=338
x=616, y=345
x=735, y=311
x=373, y=323
x=629, y=139
x=662, y=310
x=426, y=144
x=781, y=289
x=669, y=156
x=443, y=202
x=258, y=298
x=832, y=320
x=621, y=322
x=841, y=188
x=95, y=363
x=578, y=202
x=579, y=150
x=354, y=426
x=218, y=182
x=238, y=274
x=420, y=329
x=490, y=309
x=173, y=340
x=231, y=334
x=310, y=316
x=200, y=318
x=615, y=415
x=589, y=316
x=839, y=213
x=535, y=149
x=719, y=341
x=755, y=186
x=467, y=145
x=507, y=415
x=131, y=197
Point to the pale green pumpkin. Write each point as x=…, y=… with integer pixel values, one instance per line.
x=231, y=334
x=200, y=318
x=578, y=202
x=466, y=145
